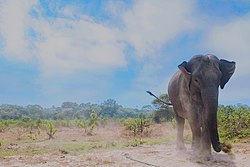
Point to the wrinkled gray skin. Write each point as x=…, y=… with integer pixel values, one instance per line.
x=193, y=91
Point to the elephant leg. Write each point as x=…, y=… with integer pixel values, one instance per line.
x=205, y=142
x=205, y=150
x=180, y=127
x=196, y=135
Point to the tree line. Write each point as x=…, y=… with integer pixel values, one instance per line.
x=71, y=110
x=232, y=120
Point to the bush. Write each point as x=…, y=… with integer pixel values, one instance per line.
x=138, y=126
x=87, y=124
x=163, y=115
x=2, y=126
x=50, y=129
x=135, y=142
x=233, y=122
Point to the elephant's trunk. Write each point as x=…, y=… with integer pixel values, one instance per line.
x=213, y=130
x=211, y=105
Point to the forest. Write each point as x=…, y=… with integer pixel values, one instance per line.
x=72, y=110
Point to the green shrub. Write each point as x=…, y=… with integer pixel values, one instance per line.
x=234, y=122
x=50, y=129
x=35, y=129
x=162, y=113
x=2, y=126
x=135, y=142
x=91, y=124
x=137, y=126
x=87, y=124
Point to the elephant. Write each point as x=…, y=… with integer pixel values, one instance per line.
x=193, y=92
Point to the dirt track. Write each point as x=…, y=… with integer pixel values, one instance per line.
x=72, y=148
x=158, y=155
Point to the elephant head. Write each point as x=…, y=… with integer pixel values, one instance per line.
x=203, y=76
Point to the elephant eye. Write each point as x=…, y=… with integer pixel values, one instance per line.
x=196, y=80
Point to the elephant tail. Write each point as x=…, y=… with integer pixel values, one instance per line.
x=164, y=102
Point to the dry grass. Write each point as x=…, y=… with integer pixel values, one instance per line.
x=74, y=141
x=106, y=147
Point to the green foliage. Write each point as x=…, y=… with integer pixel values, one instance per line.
x=33, y=135
x=10, y=123
x=163, y=112
x=39, y=123
x=234, y=122
x=87, y=124
x=69, y=110
x=2, y=126
x=50, y=129
x=26, y=122
x=78, y=123
x=35, y=129
x=109, y=108
x=137, y=126
x=135, y=142
x=91, y=123
x=102, y=121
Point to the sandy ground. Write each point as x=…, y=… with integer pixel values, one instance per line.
x=157, y=155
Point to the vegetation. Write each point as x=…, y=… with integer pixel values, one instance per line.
x=50, y=129
x=77, y=129
x=135, y=142
x=88, y=124
x=137, y=126
x=234, y=122
x=31, y=120
x=162, y=112
x=71, y=111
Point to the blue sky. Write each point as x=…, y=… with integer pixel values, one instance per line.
x=91, y=50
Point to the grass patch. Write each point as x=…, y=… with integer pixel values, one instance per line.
x=134, y=142
x=75, y=148
x=21, y=151
x=161, y=140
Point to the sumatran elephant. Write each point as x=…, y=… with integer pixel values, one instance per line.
x=193, y=92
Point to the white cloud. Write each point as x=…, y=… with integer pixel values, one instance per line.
x=61, y=45
x=14, y=21
x=150, y=24
x=68, y=45
x=73, y=41
x=232, y=40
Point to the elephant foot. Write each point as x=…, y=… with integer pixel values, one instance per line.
x=205, y=155
x=197, y=156
x=181, y=147
x=195, y=147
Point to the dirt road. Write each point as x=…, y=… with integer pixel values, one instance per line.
x=157, y=155
x=107, y=147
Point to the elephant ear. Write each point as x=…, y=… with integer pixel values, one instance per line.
x=184, y=70
x=227, y=68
